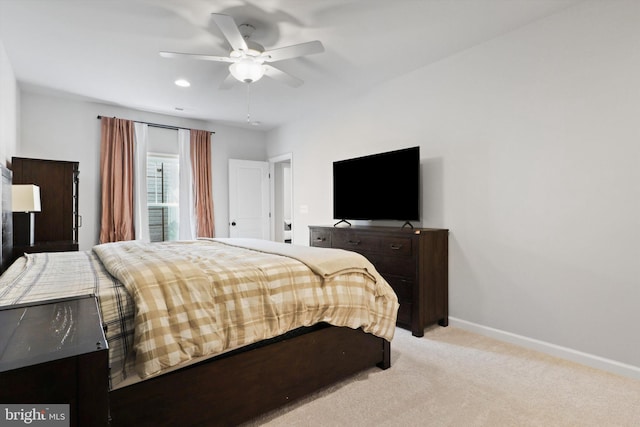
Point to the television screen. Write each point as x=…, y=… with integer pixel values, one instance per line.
x=382, y=186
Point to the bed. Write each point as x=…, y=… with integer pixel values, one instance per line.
x=219, y=331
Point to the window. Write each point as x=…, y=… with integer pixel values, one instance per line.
x=162, y=197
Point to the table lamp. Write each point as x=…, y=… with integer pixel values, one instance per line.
x=24, y=202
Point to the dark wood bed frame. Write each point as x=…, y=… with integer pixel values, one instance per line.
x=239, y=386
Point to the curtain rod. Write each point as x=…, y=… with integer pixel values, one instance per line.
x=156, y=125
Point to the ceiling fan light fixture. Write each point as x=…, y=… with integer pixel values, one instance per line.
x=247, y=70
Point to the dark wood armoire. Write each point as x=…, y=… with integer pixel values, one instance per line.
x=56, y=225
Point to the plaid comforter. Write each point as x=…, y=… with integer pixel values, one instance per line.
x=198, y=298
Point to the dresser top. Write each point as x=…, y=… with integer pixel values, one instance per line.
x=380, y=228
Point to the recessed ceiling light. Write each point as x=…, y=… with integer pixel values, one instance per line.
x=182, y=83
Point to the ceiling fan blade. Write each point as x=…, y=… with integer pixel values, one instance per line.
x=293, y=51
x=281, y=76
x=228, y=82
x=196, y=56
x=230, y=30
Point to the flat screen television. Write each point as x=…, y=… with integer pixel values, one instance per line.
x=384, y=186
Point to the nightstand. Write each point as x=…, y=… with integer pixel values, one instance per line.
x=55, y=352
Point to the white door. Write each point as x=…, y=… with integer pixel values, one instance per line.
x=248, y=199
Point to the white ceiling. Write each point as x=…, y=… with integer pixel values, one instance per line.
x=107, y=50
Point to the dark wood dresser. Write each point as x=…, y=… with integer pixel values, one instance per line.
x=413, y=261
x=55, y=352
x=57, y=224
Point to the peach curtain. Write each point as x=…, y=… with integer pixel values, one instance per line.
x=116, y=175
x=201, y=169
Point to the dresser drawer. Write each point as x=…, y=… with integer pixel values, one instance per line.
x=396, y=246
x=402, y=267
x=356, y=242
x=401, y=286
x=321, y=238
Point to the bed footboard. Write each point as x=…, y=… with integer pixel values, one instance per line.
x=235, y=388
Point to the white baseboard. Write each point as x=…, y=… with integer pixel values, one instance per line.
x=551, y=349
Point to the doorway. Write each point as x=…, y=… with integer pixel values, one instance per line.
x=282, y=225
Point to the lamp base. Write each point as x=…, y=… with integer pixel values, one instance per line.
x=23, y=228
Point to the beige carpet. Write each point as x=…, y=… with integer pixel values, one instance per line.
x=452, y=377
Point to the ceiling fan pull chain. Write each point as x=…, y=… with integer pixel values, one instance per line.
x=248, y=110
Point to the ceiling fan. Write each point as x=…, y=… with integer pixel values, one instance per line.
x=249, y=60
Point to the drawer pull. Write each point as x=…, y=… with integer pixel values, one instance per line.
x=320, y=239
x=395, y=247
x=354, y=242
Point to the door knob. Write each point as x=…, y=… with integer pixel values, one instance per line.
x=233, y=223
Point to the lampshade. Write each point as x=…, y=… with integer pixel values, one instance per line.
x=25, y=198
x=247, y=70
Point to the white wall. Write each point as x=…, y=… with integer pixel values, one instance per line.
x=9, y=104
x=531, y=157
x=67, y=129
